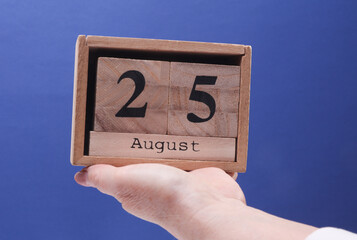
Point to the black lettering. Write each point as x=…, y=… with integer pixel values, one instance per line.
x=193, y=146
x=161, y=147
x=168, y=146
x=136, y=142
x=139, y=80
x=183, y=146
x=151, y=145
x=200, y=96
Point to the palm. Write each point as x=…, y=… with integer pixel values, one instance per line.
x=220, y=181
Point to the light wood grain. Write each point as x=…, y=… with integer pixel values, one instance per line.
x=165, y=45
x=182, y=164
x=79, y=99
x=225, y=92
x=243, y=122
x=111, y=96
x=133, y=145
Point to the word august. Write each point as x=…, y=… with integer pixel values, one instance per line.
x=160, y=146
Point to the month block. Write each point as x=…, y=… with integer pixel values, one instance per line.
x=131, y=96
x=162, y=146
x=203, y=99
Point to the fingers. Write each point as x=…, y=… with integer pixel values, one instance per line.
x=234, y=175
x=136, y=182
x=148, y=191
x=103, y=177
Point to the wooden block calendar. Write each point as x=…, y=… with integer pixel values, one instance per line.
x=184, y=104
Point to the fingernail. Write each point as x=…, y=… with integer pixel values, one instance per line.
x=81, y=177
x=235, y=176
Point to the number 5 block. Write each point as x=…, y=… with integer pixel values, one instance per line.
x=203, y=100
x=131, y=96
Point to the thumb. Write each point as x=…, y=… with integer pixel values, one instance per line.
x=103, y=177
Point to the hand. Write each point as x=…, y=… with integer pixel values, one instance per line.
x=201, y=204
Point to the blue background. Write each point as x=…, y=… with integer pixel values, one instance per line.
x=303, y=137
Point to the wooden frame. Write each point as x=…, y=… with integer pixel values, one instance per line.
x=207, y=52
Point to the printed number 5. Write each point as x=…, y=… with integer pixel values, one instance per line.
x=203, y=97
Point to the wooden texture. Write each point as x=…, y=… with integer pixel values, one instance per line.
x=243, y=121
x=182, y=164
x=133, y=145
x=79, y=99
x=86, y=44
x=165, y=45
x=111, y=96
x=225, y=93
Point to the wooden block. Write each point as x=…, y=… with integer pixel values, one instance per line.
x=131, y=96
x=133, y=145
x=243, y=125
x=203, y=100
x=182, y=164
x=172, y=46
x=79, y=99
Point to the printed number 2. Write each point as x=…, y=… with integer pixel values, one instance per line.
x=139, y=81
x=203, y=97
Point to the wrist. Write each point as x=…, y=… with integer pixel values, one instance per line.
x=262, y=225
x=231, y=219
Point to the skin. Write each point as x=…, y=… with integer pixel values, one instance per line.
x=202, y=204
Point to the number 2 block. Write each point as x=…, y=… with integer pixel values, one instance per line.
x=131, y=96
x=203, y=100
